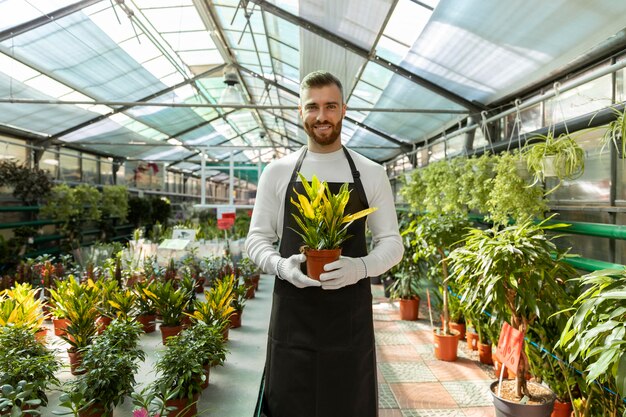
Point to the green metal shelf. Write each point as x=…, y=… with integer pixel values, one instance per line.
x=591, y=264
x=28, y=223
x=7, y=209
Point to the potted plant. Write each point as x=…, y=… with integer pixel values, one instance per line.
x=151, y=400
x=322, y=223
x=24, y=358
x=616, y=132
x=170, y=303
x=405, y=289
x=560, y=157
x=110, y=364
x=180, y=367
x=145, y=305
x=511, y=273
x=512, y=198
x=595, y=331
x=217, y=308
x=21, y=306
x=28, y=185
x=79, y=308
x=209, y=344
x=238, y=302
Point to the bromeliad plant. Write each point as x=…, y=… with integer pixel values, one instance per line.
x=321, y=219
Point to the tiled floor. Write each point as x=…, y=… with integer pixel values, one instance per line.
x=412, y=383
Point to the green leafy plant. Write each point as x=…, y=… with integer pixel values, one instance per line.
x=78, y=306
x=568, y=158
x=169, y=301
x=511, y=198
x=320, y=217
x=13, y=399
x=25, y=358
x=511, y=273
x=615, y=133
x=596, y=332
x=115, y=201
x=29, y=185
x=180, y=367
x=217, y=308
x=88, y=199
x=208, y=341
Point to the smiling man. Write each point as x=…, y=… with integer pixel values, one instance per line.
x=321, y=359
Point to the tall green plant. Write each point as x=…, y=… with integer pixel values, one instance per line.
x=115, y=201
x=511, y=273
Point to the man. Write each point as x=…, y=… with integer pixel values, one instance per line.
x=321, y=359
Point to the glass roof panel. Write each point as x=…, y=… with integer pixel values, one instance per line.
x=21, y=11
x=97, y=66
x=202, y=136
x=174, y=19
x=108, y=131
x=40, y=118
x=283, y=31
x=348, y=19
x=165, y=153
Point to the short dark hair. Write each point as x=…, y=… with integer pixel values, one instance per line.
x=318, y=79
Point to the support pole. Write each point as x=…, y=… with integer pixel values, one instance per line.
x=202, y=179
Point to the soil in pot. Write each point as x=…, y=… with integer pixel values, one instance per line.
x=507, y=404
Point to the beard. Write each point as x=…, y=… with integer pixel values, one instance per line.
x=328, y=138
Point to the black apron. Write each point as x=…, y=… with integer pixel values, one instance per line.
x=321, y=359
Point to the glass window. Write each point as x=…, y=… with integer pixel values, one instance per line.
x=588, y=98
x=69, y=166
x=90, y=170
x=120, y=177
x=12, y=149
x=106, y=171
x=50, y=162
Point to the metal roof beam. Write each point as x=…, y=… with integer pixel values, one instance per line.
x=45, y=19
x=405, y=146
x=364, y=53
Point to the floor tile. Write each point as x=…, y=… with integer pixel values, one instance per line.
x=406, y=372
x=386, y=326
x=470, y=393
x=420, y=337
x=433, y=413
x=389, y=412
x=383, y=317
x=397, y=353
x=422, y=396
x=391, y=338
x=461, y=370
x=480, y=412
x=385, y=397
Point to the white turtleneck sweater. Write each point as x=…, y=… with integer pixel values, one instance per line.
x=267, y=217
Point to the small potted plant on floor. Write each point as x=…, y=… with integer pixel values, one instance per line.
x=18, y=400
x=24, y=358
x=181, y=368
x=145, y=306
x=217, y=308
x=170, y=303
x=322, y=224
x=238, y=303
x=210, y=345
x=110, y=364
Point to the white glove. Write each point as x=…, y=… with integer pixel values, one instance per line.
x=346, y=271
x=289, y=270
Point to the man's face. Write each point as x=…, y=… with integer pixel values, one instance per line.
x=322, y=111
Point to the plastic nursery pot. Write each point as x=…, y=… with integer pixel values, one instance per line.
x=183, y=407
x=459, y=327
x=409, y=309
x=94, y=410
x=76, y=359
x=561, y=409
x=148, y=322
x=207, y=372
x=235, y=319
x=484, y=353
x=446, y=345
x=59, y=326
x=167, y=331
x=505, y=408
x=472, y=340
x=316, y=259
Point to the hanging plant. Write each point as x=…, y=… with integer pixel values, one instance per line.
x=560, y=157
x=615, y=133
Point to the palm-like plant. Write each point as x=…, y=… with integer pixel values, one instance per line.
x=217, y=308
x=616, y=132
x=169, y=301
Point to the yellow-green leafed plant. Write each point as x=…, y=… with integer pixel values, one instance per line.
x=20, y=306
x=81, y=312
x=217, y=308
x=320, y=217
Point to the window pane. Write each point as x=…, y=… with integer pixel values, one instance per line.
x=90, y=171
x=69, y=166
x=10, y=149
x=50, y=162
x=106, y=172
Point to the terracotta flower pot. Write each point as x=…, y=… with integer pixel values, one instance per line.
x=459, y=327
x=199, y=285
x=409, y=309
x=225, y=334
x=148, y=322
x=316, y=259
x=183, y=407
x=472, y=340
x=168, y=331
x=561, y=409
x=94, y=410
x=235, y=319
x=250, y=292
x=484, y=353
x=446, y=345
x=102, y=323
x=76, y=359
x=255, y=280
x=40, y=334
x=59, y=326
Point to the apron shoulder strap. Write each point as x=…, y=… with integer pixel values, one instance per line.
x=356, y=175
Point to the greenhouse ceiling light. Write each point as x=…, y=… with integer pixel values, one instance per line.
x=231, y=94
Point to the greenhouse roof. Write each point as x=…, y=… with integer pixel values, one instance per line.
x=144, y=79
